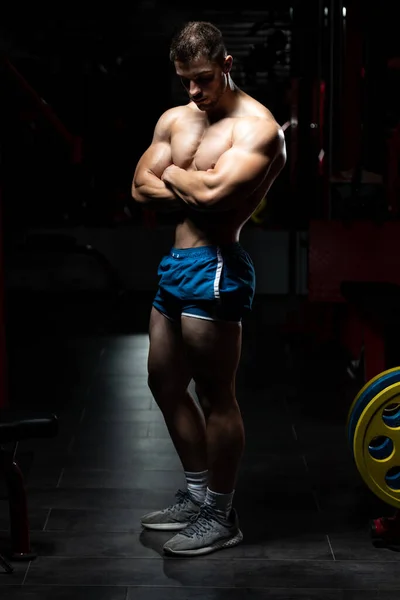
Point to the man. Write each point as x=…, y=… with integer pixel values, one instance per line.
x=213, y=159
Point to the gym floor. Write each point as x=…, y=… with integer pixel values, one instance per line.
x=303, y=509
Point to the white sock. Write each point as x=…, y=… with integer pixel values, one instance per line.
x=197, y=485
x=220, y=503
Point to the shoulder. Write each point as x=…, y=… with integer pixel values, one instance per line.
x=260, y=131
x=167, y=120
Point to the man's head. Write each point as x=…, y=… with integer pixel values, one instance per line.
x=202, y=62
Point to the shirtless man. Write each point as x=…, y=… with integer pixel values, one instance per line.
x=214, y=159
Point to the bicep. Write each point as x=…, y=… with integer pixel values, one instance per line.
x=155, y=160
x=243, y=168
x=240, y=170
x=158, y=156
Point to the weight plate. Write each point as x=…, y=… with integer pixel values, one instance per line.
x=376, y=445
x=365, y=395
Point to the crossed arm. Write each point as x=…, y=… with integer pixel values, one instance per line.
x=147, y=186
x=238, y=172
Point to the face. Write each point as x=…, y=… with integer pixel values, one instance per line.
x=204, y=81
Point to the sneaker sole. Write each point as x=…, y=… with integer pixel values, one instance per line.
x=229, y=543
x=165, y=526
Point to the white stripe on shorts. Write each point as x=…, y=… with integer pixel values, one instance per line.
x=218, y=273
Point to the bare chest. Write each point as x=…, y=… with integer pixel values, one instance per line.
x=196, y=147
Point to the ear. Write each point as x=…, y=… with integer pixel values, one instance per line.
x=227, y=64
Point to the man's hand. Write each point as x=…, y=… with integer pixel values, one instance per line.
x=168, y=174
x=183, y=183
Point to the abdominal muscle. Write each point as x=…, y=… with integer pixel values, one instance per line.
x=213, y=228
x=192, y=233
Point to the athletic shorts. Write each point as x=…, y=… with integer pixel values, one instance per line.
x=216, y=283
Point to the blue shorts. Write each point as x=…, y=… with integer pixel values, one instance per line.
x=216, y=283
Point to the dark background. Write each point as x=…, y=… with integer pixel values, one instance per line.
x=81, y=89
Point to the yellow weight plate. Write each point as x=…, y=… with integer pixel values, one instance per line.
x=364, y=389
x=365, y=395
x=257, y=214
x=376, y=445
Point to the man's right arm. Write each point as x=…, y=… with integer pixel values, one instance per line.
x=147, y=187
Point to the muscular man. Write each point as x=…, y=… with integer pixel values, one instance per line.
x=213, y=159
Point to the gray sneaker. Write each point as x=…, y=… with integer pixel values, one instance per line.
x=174, y=517
x=205, y=533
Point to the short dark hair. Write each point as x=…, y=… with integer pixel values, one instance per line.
x=196, y=39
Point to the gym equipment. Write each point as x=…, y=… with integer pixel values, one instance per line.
x=257, y=216
x=386, y=530
x=376, y=444
x=373, y=433
x=15, y=427
x=364, y=397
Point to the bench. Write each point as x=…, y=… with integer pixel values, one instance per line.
x=16, y=427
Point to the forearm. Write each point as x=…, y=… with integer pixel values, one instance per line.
x=155, y=194
x=199, y=189
x=190, y=186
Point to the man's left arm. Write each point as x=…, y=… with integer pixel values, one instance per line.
x=238, y=172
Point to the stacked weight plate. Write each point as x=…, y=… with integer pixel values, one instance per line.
x=373, y=432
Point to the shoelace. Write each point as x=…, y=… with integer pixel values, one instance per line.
x=181, y=496
x=200, y=523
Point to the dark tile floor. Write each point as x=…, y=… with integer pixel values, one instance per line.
x=303, y=509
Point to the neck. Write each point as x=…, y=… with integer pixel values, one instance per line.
x=227, y=103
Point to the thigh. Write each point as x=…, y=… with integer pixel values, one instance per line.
x=167, y=365
x=213, y=351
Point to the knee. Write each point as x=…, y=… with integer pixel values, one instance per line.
x=159, y=392
x=213, y=395
x=166, y=389
x=156, y=383
x=203, y=400
x=155, y=377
